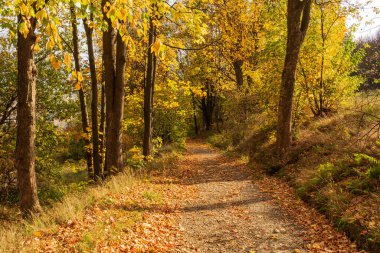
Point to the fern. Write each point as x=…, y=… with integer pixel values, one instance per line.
x=372, y=160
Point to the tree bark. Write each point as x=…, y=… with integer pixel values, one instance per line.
x=115, y=143
x=102, y=123
x=26, y=120
x=82, y=99
x=114, y=59
x=298, y=18
x=148, y=93
x=94, y=102
x=239, y=73
x=109, y=80
x=207, y=106
x=195, y=115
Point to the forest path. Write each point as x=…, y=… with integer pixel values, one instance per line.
x=227, y=212
x=230, y=210
x=204, y=202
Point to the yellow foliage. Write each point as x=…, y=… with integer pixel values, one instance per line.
x=54, y=62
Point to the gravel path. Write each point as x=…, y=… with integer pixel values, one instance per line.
x=227, y=213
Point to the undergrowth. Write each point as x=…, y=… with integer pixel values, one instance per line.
x=72, y=205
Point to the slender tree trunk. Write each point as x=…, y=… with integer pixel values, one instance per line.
x=148, y=93
x=109, y=61
x=207, y=106
x=207, y=116
x=94, y=102
x=195, y=116
x=238, y=67
x=321, y=81
x=297, y=22
x=102, y=123
x=26, y=121
x=82, y=99
x=218, y=108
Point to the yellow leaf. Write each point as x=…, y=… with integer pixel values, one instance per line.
x=36, y=48
x=73, y=76
x=123, y=14
x=24, y=9
x=41, y=14
x=67, y=61
x=54, y=62
x=156, y=47
x=37, y=233
x=24, y=29
x=78, y=86
x=50, y=44
x=80, y=77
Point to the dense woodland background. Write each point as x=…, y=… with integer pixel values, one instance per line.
x=90, y=88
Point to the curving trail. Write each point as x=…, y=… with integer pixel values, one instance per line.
x=228, y=212
x=205, y=203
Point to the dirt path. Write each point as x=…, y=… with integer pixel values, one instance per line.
x=228, y=213
x=206, y=203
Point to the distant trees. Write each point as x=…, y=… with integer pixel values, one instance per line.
x=240, y=24
x=369, y=67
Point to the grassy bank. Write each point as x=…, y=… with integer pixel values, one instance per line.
x=119, y=204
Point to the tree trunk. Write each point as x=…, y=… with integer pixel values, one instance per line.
x=94, y=102
x=148, y=93
x=82, y=100
x=297, y=22
x=26, y=120
x=207, y=106
x=320, y=108
x=239, y=73
x=195, y=115
x=118, y=107
x=114, y=79
x=102, y=123
x=109, y=81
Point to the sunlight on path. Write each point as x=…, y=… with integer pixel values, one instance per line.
x=227, y=213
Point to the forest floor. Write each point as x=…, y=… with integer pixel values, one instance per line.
x=206, y=203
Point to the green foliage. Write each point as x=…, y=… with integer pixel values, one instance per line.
x=76, y=149
x=367, y=177
x=374, y=172
x=359, y=158
x=331, y=201
x=325, y=173
x=135, y=158
x=219, y=140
